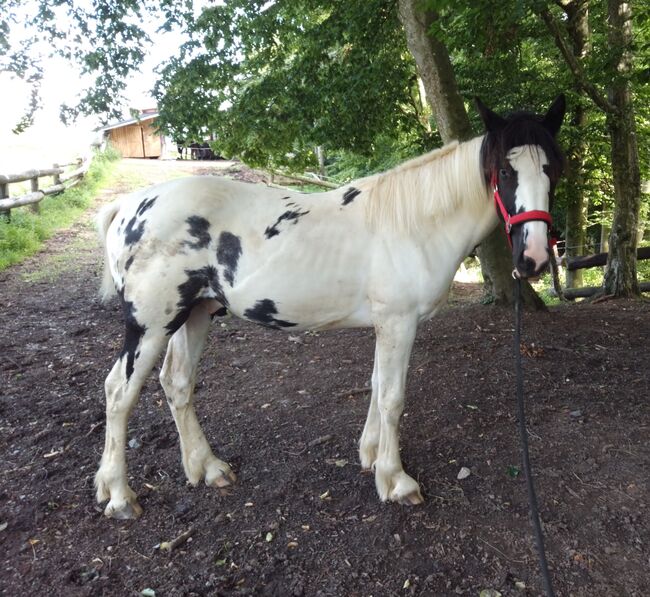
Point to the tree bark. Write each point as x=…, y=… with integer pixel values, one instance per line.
x=621, y=277
x=577, y=25
x=437, y=74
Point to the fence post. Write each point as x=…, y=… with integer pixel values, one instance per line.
x=4, y=194
x=56, y=179
x=35, y=207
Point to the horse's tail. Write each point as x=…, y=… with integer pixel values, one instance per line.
x=104, y=218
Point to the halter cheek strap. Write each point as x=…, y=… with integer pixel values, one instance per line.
x=520, y=218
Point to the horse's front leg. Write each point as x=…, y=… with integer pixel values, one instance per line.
x=369, y=442
x=395, y=335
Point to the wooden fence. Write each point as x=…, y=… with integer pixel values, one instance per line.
x=599, y=259
x=61, y=180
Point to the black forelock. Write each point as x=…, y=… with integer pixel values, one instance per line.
x=522, y=128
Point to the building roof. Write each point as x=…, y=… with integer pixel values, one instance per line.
x=144, y=116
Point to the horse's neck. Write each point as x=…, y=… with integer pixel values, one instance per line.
x=461, y=192
x=460, y=209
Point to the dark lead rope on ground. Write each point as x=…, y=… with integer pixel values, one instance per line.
x=523, y=435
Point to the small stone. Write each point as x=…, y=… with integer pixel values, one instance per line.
x=576, y=414
x=134, y=443
x=463, y=473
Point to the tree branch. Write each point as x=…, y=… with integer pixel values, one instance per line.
x=574, y=66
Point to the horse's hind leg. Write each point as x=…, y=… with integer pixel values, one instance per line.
x=178, y=376
x=141, y=349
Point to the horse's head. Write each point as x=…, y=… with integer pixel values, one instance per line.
x=522, y=162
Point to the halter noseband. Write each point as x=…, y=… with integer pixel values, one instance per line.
x=525, y=216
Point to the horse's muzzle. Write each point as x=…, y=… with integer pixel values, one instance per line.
x=532, y=267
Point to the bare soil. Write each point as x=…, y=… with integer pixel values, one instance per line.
x=287, y=411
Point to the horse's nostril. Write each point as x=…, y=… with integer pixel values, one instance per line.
x=527, y=266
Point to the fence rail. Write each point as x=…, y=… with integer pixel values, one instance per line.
x=596, y=260
x=61, y=180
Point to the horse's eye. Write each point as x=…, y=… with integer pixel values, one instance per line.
x=503, y=173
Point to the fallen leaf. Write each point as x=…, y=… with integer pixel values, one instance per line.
x=489, y=593
x=513, y=471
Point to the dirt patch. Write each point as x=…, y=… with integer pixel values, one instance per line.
x=286, y=412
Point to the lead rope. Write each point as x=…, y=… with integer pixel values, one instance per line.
x=523, y=434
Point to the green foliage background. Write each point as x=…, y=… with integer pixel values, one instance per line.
x=270, y=81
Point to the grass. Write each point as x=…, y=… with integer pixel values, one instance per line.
x=24, y=234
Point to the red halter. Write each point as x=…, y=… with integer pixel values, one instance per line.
x=525, y=216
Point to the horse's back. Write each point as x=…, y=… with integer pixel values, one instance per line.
x=260, y=251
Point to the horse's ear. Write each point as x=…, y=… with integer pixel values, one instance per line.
x=492, y=121
x=555, y=115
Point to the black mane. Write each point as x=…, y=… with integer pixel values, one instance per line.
x=521, y=128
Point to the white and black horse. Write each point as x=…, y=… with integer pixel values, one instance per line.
x=380, y=252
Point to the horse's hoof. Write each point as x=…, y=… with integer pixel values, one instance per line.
x=220, y=476
x=123, y=509
x=412, y=499
x=406, y=491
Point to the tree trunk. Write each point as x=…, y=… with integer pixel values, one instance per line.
x=577, y=12
x=620, y=278
x=441, y=90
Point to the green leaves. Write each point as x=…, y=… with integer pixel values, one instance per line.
x=295, y=75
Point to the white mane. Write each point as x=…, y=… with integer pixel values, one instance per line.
x=430, y=186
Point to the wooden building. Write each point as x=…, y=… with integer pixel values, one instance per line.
x=136, y=137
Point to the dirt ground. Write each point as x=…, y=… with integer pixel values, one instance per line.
x=287, y=411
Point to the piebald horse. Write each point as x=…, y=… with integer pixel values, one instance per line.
x=380, y=252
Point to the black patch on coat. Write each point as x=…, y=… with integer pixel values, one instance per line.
x=199, y=229
x=128, y=263
x=132, y=336
x=508, y=181
x=145, y=205
x=263, y=313
x=228, y=254
x=349, y=195
x=135, y=229
x=288, y=216
x=192, y=291
x=222, y=312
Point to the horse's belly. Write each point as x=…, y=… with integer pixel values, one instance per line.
x=300, y=298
